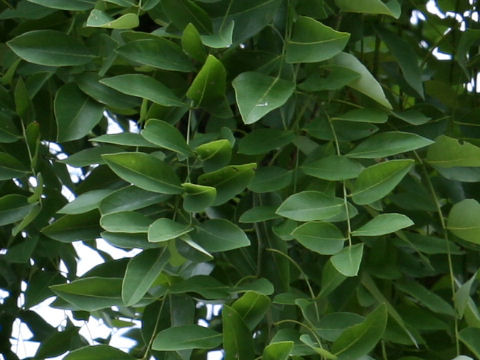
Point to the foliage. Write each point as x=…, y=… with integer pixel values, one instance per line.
x=308, y=164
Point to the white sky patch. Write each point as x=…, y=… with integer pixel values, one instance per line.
x=87, y=258
x=116, y=253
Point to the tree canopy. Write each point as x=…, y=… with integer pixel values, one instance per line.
x=312, y=166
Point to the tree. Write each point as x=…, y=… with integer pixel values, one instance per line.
x=311, y=165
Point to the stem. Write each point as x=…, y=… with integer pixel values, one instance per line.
x=150, y=342
x=302, y=325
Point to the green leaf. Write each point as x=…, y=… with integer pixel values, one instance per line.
x=310, y=206
x=329, y=77
x=348, y=260
x=183, y=12
x=333, y=168
x=449, y=152
x=145, y=87
x=10, y=167
x=463, y=220
x=383, y=224
x=76, y=113
x=252, y=307
x=73, y=5
x=258, y=214
x=186, y=337
x=214, y=154
x=229, y=181
x=278, y=350
x=198, y=197
x=13, y=208
x=90, y=156
x=145, y=171
x=91, y=294
x=367, y=115
x=331, y=326
x=163, y=134
x=331, y=279
x=164, y=229
x=406, y=58
x=129, y=241
x=360, y=339
x=100, y=19
x=218, y=235
x=85, y=202
x=130, y=198
x=312, y=41
x=469, y=336
x=376, y=7
x=258, y=94
x=366, y=84
x=124, y=139
x=268, y=179
x=426, y=297
x=377, y=181
x=206, y=286
x=98, y=352
x=237, y=339
x=125, y=222
x=70, y=228
x=142, y=271
x=261, y=141
x=387, y=144
x=50, y=48
x=158, y=53
x=209, y=84
x=192, y=43
x=222, y=38
x=323, y=238
x=412, y=117
x=462, y=296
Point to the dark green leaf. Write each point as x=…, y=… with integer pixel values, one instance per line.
x=198, y=197
x=263, y=140
x=237, y=339
x=186, y=337
x=220, y=235
x=333, y=168
x=125, y=222
x=323, y=238
x=98, y=352
x=166, y=136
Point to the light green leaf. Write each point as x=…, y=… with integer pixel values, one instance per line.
x=210, y=83
x=388, y=143
x=449, y=152
x=125, y=222
x=85, y=202
x=70, y=228
x=463, y=220
x=383, y=224
x=360, y=339
x=237, y=339
x=145, y=87
x=258, y=94
x=377, y=181
x=221, y=38
x=164, y=229
x=312, y=41
x=145, y=171
x=252, y=307
x=220, y=235
x=348, y=260
x=406, y=58
x=76, y=114
x=192, y=43
x=323, y=238
x=278, y=350
x=412, y=117
x=130, y=198
x=268, y=179
x=158, y=53
x=469, y=336
x=198, y=197
x=124, y=139
x=92, y=293
x=367, y=115
x=333, y=168
x=376, y=7
x=163, y=134
x=366, y=84
x=258, y=214
x=263, y=140
x=462, y=296
x=186, y=337
x=426, y=297
x=98, y=352
x=142, y=271
x=50, y=48
x=214, y=154
x=229, y=181
x=98, y=18
x=13, y=208
x=310, y=206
